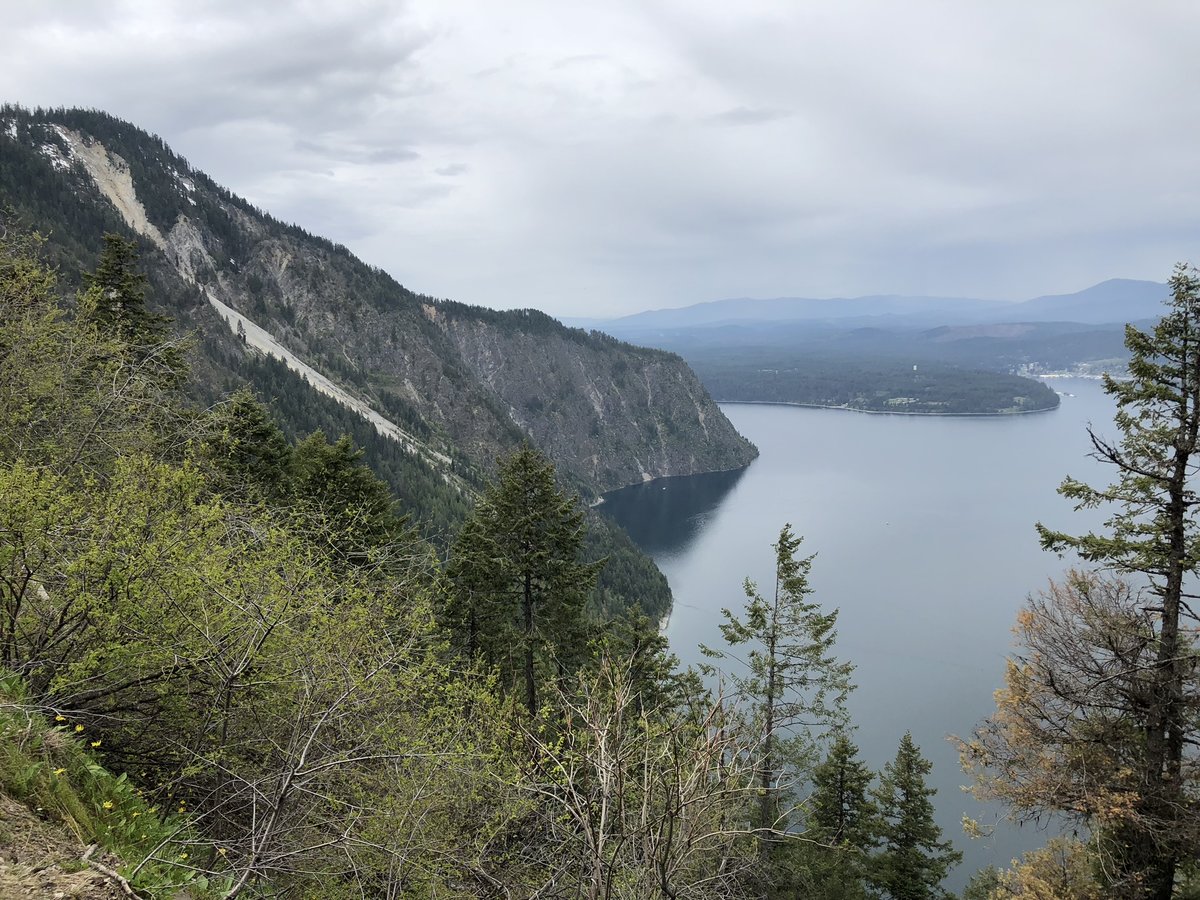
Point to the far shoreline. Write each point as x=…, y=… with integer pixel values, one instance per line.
x=888, y=412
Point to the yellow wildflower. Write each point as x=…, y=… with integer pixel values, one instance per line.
x=59, y=771
x=78, y=728
x=95, y=744
x=107, y=804
x=60, y=718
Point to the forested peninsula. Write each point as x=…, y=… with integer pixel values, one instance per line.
x=871, y=384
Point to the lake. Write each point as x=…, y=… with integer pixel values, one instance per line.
x=924, y=533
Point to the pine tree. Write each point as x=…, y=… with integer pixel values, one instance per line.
x=118, y=295
x=843, y=822
x=913, y=858
x=246, y=449
x=1154, y=534
x=520, y=589
x=115, y=305
x=794, y=684
x=342, y=503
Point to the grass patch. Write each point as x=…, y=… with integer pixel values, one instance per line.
x=47, y=767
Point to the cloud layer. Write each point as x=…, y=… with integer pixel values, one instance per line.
x=597, y=159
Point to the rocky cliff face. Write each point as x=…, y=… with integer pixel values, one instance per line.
x=454, y=384
x=613, y=413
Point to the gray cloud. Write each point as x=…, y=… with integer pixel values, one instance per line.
x=744, y=115
x=592, y=158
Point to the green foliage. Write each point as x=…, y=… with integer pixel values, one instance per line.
x=842, y=824
x=117, y=295
x=1153, y=534
x=247, y=452
x=70, y=394
x=520, y=589
x=49, y=767
x=794, y=684
x=629, y=578
x=334, y=495
x=437, y=508
x=650, y=669
x=1158, y=415
x=865, y=382
x=983, y=884
x=913, y=859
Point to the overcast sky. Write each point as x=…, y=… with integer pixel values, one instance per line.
x=600, y=158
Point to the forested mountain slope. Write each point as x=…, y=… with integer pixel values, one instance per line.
x=458, y=385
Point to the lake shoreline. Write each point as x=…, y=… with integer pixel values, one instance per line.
x=888, y=412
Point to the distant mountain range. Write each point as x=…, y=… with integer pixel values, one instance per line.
x=931, y=355
x=1117, y=300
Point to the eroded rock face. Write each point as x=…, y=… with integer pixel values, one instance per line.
x=614, y=413
x=456, y=385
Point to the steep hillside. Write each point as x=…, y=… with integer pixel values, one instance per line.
x=645, y=415
x=71, y=828
x=451, y=386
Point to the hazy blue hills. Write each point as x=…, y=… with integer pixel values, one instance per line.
x=1117, y=300
x=931, y=355
x=792, y=309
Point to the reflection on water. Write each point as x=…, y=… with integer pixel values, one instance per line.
x=665, y=516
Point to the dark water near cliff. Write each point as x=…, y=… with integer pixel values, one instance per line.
x=923, y=530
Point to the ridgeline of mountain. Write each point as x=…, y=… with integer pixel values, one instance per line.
x=448, y=387
x=924, y=355
x=1117, y=300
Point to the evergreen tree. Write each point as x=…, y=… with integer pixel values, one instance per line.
x=117, y=295
x=246, y=449
x=842, y=824
x=650, y=668
x=913, y=858
x=115, y=305
x=520, y=589
x=792, y=681
x=341, y=502
x=983, y=884
x=1154, y=534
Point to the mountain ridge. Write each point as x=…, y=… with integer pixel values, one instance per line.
x=308, y=301
x=1109, y=301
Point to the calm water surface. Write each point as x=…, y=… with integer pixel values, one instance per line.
x=923, y=530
